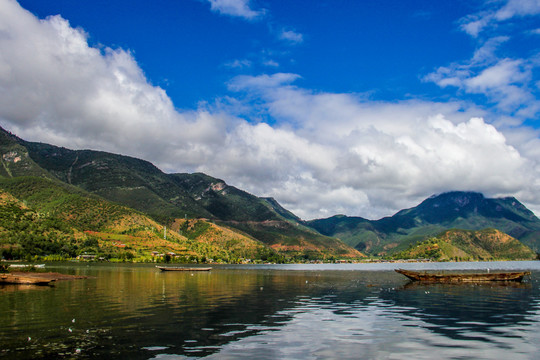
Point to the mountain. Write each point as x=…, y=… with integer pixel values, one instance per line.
x=469, y=245
x=166, y=198
x=174, y=199
x=452, y=210
x=15, y=160
x=40, y=217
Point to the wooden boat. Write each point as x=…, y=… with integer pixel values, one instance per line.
x=24, y=279
x=463, y=277
x=174, y=268
x=26, y=266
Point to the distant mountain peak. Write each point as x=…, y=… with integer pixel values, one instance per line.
x=467, y=210
x=460, y=198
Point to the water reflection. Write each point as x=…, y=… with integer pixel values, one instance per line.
x=411, y=321
x=456, y=310
x=234, y=312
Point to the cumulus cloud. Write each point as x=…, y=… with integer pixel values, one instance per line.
x=389, y=153
x=55, y=88
x=238, y=8
x=317, y=153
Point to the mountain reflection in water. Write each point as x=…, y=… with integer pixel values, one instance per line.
x=268, y=312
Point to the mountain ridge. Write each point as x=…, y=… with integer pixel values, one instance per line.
x=167, y=198
x=57, y=219
x=465, y=210
x=140, y=185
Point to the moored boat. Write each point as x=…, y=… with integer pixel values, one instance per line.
x=23, y=279
x=175, y=268
x=463, y=277
x=26, y=266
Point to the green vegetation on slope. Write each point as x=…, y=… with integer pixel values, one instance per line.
x=468, y=245
x=453, y=210
x=25, y=233
x=57, y=219
x=296, y=241
x=166, y=197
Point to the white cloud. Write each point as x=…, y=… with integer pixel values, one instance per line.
x=291, y=36
x=476, y=23
x=502, y=74
x=239, y=8
x=239, y=64
x=56, y=88
x=261, y=82
x=390, y=153
x=320, y=153
x=473, y=25
x=271, y=63
x=507, y=83
x=486, y=53
x=515, y=8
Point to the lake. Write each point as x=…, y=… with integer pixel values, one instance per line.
x=346, y=311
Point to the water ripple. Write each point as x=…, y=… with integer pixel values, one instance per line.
x=269, y=314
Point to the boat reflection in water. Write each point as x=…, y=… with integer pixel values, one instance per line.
x=499, y=314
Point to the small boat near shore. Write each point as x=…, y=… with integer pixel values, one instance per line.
x=442, y=277
x=27, y=266
x=24, y=279
x=176, y=268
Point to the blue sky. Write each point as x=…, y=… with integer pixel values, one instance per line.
x=355, y=107
x=376, y=47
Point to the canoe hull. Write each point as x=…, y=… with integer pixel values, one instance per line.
x=463, y=277
x=23, y=279
x=27, y=266
x=166, y=268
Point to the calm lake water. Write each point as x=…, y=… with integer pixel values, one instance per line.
x=353, y=311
